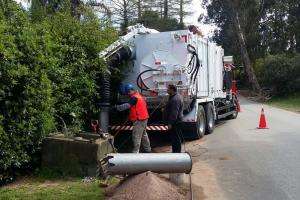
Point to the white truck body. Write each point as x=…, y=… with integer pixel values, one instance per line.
x=162, y=58
x=167, y=52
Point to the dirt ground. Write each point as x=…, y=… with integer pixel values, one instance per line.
x=204, y=181
x=147, y=186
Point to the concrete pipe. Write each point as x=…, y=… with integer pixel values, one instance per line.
x=134, y=163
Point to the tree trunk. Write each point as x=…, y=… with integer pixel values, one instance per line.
x=244, y=53
x=125, y=17
x=161, y=7
x=44, y=2
x=181, y=13
x=297, y=32
x=166, y=9
x=139, y=6
x=74, y=8
x=102, y=6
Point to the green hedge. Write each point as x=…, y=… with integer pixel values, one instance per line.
x=48, y=76
x=280, y=73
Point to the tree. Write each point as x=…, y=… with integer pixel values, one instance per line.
x=294, y=24
x=280, y=25
x=166, y=9
x=152, y=19
x=102, y=8
x=139, y=8
x=45, y=7
x=180, y=10
x=124, y=12
x=48, y=77
x=242, y=17
x=234, y=16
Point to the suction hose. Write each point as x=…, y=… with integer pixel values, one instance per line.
x=105, y=101
x=114, y=61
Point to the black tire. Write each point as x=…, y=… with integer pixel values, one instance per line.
x=201, y=122
x=210, y=118
x=235, y=114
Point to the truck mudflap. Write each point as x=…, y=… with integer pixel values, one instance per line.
x=149, y=128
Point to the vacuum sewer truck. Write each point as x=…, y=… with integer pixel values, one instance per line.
x=184, y=58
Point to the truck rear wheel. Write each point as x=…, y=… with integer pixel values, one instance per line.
x=210, y=119
x=201, y=122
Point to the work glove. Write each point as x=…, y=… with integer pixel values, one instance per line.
x=122, y=107
x=116, y=108
x=113, y=108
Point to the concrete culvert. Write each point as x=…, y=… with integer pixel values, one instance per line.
x=130, y=163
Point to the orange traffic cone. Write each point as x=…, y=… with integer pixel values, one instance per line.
x=262, y=120
x=233, y=87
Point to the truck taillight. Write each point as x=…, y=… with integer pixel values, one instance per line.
x=157, y=62
x=184, y=38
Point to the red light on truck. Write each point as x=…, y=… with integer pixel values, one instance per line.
x=184, y=38
x=157, y=62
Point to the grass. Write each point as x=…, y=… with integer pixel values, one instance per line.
x=48, y=185
x=49, y=190
x=291, y=102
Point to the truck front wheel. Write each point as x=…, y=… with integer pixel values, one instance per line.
x=201, y=122
x=235, y=111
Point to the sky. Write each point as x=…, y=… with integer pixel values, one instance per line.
x=19, y=1
x=196, y=10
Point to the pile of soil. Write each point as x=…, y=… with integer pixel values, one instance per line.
x=146, y=186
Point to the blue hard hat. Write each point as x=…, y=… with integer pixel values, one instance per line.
x=125, y=88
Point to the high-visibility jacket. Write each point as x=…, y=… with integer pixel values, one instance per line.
x=138, y=111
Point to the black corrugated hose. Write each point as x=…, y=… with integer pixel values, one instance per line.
x=194, y=63
x=139, y=78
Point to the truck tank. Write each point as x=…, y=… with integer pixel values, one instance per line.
x=180, y=58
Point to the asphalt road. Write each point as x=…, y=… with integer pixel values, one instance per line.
x=240, y=162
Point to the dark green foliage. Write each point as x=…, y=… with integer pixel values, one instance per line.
x=269, y=27
x=279, y=26
x=48, y=74
x=220, y=13
x=281, y=73
x=151, y=19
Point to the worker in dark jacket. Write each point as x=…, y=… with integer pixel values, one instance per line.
x=173, y=116
x=139, y=116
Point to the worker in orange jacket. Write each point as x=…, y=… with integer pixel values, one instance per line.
x=139, y=116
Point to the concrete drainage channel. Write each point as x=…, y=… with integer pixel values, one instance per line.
x=75, y=156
